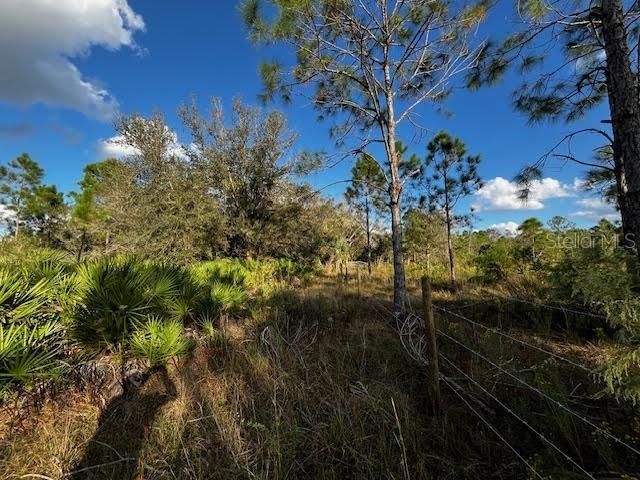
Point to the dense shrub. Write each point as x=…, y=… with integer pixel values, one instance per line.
x=116, y=294
x=28, y=353
x=125, y=304
x=498, y=260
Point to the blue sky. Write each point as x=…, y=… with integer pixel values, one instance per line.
x=201, y=48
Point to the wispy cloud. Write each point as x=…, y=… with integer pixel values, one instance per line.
x=596, y=209
x=19, y=130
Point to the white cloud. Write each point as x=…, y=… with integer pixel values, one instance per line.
x=115, y=147
x=5, y=213
x=39, y=39
x=502, y=194
x=596, y=209
x=509, y=229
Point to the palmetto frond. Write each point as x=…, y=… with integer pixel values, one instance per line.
x=28, y=353
x=157, y=341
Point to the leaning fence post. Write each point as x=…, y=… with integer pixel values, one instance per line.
x=433, y=370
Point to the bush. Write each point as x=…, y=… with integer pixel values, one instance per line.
x=28, y=353
x=157, y=341
x=228, y=299
x=118, y=293
x=124, y=304
x=498, y=260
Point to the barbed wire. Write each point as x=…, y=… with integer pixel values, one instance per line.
x=500, y=332
x=542, y=394
x=517, y=417
x=552, y=307
x=408, y=330
x=412, y=341
x=490, y=426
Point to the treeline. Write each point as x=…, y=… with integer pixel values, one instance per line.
x=232, y=191
x=370, y=68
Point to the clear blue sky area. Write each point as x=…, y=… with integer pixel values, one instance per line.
x=201, y=48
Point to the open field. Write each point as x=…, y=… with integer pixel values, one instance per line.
x=315, y=383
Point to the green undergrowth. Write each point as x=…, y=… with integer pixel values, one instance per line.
x=55, y=312
x=315, y=386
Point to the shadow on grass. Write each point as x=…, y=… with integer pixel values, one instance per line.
x=114, y=449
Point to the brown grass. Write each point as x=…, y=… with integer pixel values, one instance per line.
x=314, y=385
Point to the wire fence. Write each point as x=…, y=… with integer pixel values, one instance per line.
x=504, y=334
x=517, y=417
x=491, y=427
x=410, y=328
x=557, y=307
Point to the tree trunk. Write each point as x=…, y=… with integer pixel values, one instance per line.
x=399, y=282
x=388, y=130
x=15, y=234
x=368, y=235
x=626, y=240
x=447, y=212
x=81, y=249
x=625, y=113
x=452, y=268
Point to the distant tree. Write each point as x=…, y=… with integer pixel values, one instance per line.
x=246, y=159
x=365, y=192
x=155, y=202
x=530, y=232
x=88, y=212
x=450, y=175
x=18, y=181
x=36, y=206
x=45, y=213
x=559, y=224
x=498, y=259
x=370, y=65
x=604, y=235
x=425, y=235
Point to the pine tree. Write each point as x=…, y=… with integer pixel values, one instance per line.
x=450, y=175
x=365, y=193
x=370, y=66
x=593, y=63
x=32, y=204
x=529, y=230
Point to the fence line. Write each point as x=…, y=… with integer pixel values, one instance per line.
x=410, y=329
x=490, y=426
x=543, y=394
x=514, y=339
x=413, y=342
x=518, y=417
x=545, y=305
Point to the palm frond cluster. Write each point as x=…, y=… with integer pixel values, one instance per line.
x=53, y=310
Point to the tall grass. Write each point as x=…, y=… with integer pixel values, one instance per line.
x=312, y=384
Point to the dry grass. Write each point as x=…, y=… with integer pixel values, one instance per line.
x=314, y=385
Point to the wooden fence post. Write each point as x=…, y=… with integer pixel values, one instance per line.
x=433, y=370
